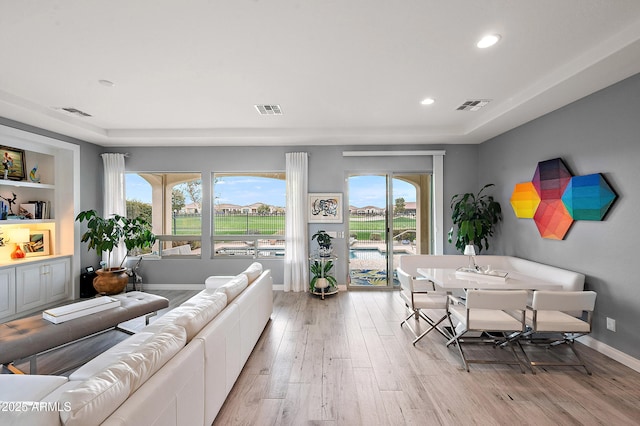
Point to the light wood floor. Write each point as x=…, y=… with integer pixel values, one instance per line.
x=346, y=361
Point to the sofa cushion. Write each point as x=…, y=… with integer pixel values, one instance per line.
x=253, y=271
x=94, y=399
x=25, y=387
x=234, y=287
x=193, y=315
x=113, y=354
x=154, y=353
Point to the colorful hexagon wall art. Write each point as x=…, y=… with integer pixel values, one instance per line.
x=588, y=197
x=525, y=200
x=555, y=199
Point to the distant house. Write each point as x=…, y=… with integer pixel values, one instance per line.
x=254, y=208
x=367, y=210
x=192, y=208
x=410, y=208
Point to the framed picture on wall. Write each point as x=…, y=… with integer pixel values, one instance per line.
x=325, y=208
x=12, y=163
x=38, y=244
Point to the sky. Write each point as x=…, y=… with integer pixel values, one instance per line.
x=363, y=191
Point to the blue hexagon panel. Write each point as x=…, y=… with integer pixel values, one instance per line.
x=588, y=197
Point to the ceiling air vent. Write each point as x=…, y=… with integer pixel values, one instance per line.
x=269, y=109
x=473, y=105
x=76, y=112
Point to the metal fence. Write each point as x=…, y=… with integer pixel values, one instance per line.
x=363, y=227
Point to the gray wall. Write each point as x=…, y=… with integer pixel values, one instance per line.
x=327, y=172
x=598, y=134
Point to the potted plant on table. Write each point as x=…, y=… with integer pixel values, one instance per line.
x=322, y=277
x=475, y=216
x=105, y=234
x=324, y=243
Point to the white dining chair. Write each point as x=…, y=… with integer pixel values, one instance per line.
x=419, y=295
x=497, y=314
x=552, y=321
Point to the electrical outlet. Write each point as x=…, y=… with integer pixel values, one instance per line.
x=611, y=324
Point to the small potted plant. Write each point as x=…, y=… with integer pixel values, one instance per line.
x=322, y=277
x=105, y=234
x=324, y=243
x=475, y=216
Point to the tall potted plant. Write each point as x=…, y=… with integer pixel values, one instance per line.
x=475, y=217
x=105, y=234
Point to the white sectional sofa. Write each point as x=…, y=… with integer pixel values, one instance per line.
x=176, y=371
x=570, y=281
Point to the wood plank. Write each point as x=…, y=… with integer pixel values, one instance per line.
x=331, y=362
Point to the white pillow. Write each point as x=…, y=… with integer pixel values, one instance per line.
x=234, y=287
x=253, y=271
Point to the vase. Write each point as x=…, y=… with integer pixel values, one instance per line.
x=321, y=283
x=325, y=251
x=111, y=281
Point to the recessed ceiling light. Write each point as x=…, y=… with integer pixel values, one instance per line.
x=427, y=101
x=107, y=83
x=488, y=41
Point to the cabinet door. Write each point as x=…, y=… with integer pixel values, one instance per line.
x=58, y=279
x=31, y=290
x=7, y=292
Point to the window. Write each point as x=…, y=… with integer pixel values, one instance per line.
x=171, y=202
x=249, y=214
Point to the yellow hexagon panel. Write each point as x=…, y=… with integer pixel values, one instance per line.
x=525, y=200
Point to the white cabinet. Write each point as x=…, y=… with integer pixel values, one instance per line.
x=38, y=284
x=58, y=277
x=7, y=292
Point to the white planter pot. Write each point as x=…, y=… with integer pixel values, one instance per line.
x=322, y=283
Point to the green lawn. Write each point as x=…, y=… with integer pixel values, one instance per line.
x=274, y=225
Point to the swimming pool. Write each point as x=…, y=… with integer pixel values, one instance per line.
x=371, y=254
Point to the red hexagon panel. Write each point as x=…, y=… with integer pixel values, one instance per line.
x=552, y=219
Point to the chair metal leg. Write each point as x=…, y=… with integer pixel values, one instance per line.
x=417, y=313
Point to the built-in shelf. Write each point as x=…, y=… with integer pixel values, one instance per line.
x=25, y=221
x=26, y=184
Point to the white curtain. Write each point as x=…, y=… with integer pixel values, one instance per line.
x=296, y=259
x=114, y=197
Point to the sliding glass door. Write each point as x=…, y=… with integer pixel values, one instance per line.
x=388, y=217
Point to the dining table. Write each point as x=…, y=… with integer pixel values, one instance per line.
x=450, y=279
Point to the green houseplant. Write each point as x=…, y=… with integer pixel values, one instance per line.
x=475, y=217
x=105, y=234
x=321, y=275
x=324, y=242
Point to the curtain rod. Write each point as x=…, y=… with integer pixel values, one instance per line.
x=389, y=153
x=126, y=154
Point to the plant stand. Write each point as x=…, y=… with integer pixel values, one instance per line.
x=330, y=288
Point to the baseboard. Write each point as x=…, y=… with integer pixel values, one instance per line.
x=612, y=353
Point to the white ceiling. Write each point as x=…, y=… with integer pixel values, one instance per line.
x=343, y=71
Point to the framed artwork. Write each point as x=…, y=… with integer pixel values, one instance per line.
x=12, y=163
x=325, y=208
x=38, y=244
